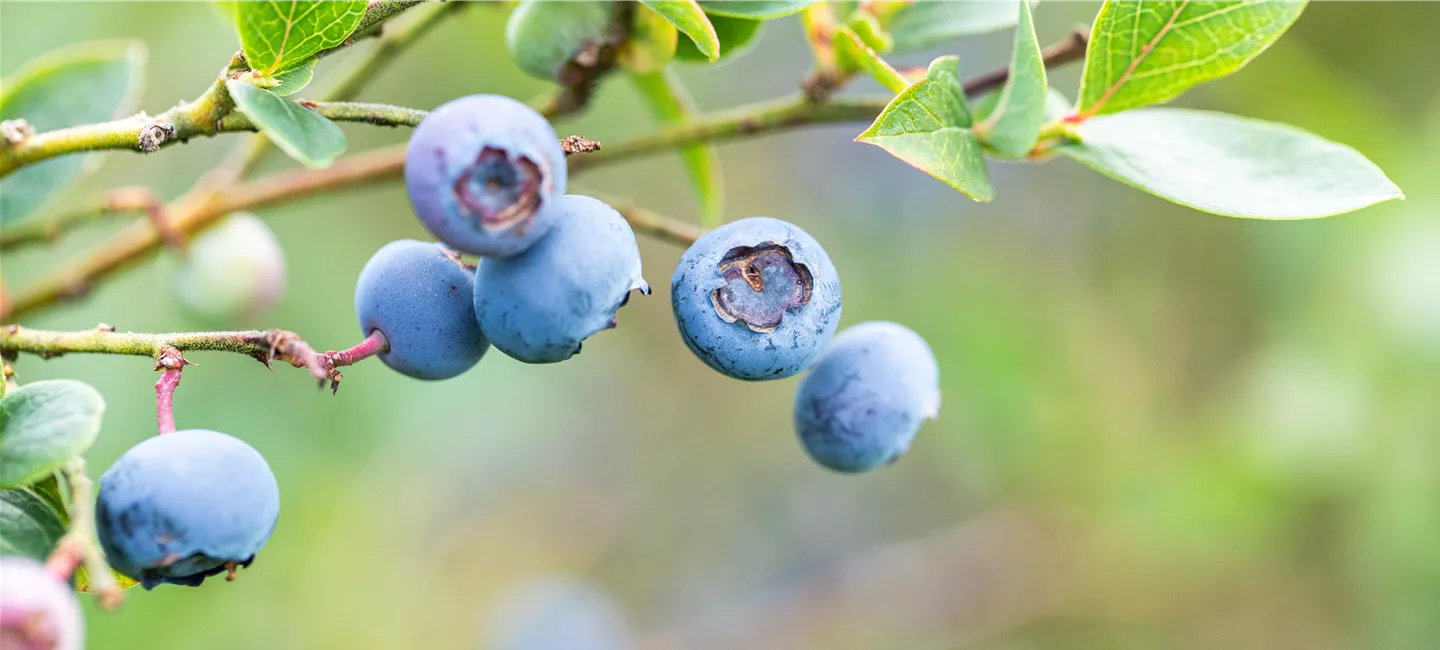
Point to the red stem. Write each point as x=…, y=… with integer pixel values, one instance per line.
x=165, y=399
x=63, y=561
x=371, y=346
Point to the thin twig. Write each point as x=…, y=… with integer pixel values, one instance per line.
x=264, y=346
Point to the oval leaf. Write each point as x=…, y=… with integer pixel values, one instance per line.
x=735, y=34
x=669, y=102
x=1230, y=165
x=28, y=525
x=279, y=35
x=1012, y=127
x=928, y=126
x=299, y=132
x=80, y=84
x=924, y=24
x=755, y=9
x=44, y=424
x=687, y=17
x=1142, y=54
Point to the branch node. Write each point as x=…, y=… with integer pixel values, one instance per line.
x=102, y=327
x=16, y=132
x=578, y=144
x=154, y=135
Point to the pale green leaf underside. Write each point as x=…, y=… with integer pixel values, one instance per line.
x=926, y=23
x=299, y=132
x=79, y=84
x=1230, y=165
x=278, y=35
x=755, y=9
x=1148, y=52
x=928, y=126
x=687, y=17
x=295, y=79
x=668, y=101
x=43, y=425
x=1013, y=127
x=29, y=527
x=736, y=35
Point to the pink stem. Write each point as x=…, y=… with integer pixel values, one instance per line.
x=371, y=346
x=67, y=557
x=165, y=399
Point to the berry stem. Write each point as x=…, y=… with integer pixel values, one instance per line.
x=170, y=363
x=82, y=540
x=371, y=346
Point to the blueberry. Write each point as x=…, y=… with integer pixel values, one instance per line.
x=418, y=295
x=37, y=610
x=860, y=405
x=483, y=172
x=756, y=298
x=183, y=506
x=234, y=270
x=538, y=306
x=558, y=613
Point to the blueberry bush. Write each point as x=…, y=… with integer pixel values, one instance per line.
x=526, y=264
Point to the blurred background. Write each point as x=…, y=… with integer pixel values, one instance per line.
x=1161, y=428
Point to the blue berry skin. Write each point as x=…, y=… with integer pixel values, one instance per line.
x=179, y=506
x=418, y=296
x=756, y=298
x=538, y=306
x=484, y=173
x=860, y=405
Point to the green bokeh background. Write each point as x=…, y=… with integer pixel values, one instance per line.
x=1161, y=428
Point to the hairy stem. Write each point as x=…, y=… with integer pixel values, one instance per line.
x=264, y=346
x=169, y=363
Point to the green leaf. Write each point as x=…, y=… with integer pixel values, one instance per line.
x=929, y=127
x=1147, y=53
x=925, y=24
x=279, y=35
x=735, y=34
x=43, y=424
x=28, y=525
x=652, y=41
x=755, y=9
x=1013, y=127
x=687, y=17
x=309, y=138
x=667, y=99
x=82, y=580
x=295, y=80
x=49, y=489
x=1230, y=165
x=80, y=84
x=854, y=54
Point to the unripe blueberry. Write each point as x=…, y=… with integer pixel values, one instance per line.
x=564, y=42
x=183, y=506
x=37, y=610
x=483, y=173
x=558, y=613
x=756, y=298
x=233, y=271
x=419, y=296
x=538, y=306
x=860, y=405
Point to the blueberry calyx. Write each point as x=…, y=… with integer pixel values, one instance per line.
x=500, y=192
x=754, y=268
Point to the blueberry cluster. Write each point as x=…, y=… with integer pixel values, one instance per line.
x=756, y=299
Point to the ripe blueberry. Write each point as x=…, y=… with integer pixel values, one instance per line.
x=183, y=506
x=232, y=271
x=756, y=298
x=419, y=297
x=558, y=613
x=37, y=610
x=483, y=173
x=538, y=306
x=860, y=405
